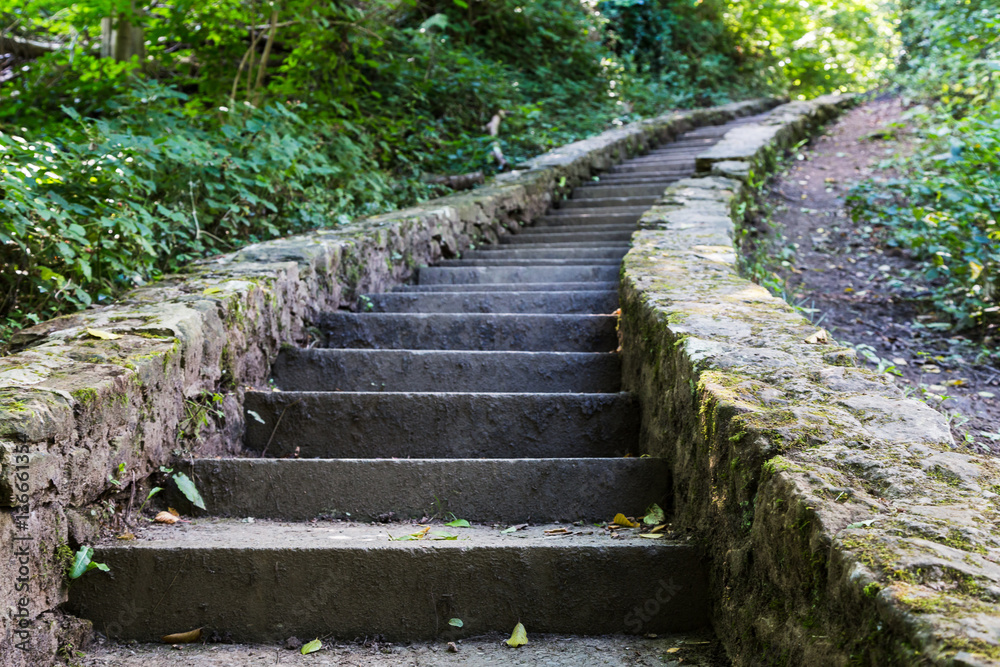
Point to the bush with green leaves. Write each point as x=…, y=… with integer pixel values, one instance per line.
x=943, y=204
x=118, y=201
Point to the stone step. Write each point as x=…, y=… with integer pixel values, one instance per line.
x=570, y=237
x=266, y=581
x=598, y=191
x=537, y=261
x=477, y=490
x=586, y=216
x=614, y=252
x=471, y=331
x=641, y=179
x=298, y=369
x=509, y=287
x=446, y=425
x=607, y=202
x=556, y=245
x=572, y=226
x=685, y=166
x=700, y=647
x=435, y=275
x=576, y=301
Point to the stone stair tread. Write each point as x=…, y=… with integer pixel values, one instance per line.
x=598, y=191
x=570, y=227
x=477, y=490
x=580, y=235
x=512, y=274
x=534, y=261
x=574, y=301
x=268, y=580
x=298, y=369
x=510, y=287
x=608, y=202
x=328, y=424
x=551, y=650
x=616, y=252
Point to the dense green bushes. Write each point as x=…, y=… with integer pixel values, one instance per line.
x=231, y=122
x=943, y=205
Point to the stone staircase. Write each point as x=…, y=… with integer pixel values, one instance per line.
x=489, y=391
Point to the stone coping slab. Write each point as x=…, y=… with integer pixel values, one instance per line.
x=118, y=391
x=844, y=525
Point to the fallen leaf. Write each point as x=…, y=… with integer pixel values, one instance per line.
x=457, y=622
x=957, y=382
x=899, y=361
x=441, y=535
x=658, y=528
x=126, y=536
x=654, y=515
x=459, y=523
x=673, y=650
x=930, y=368
x=556, y=531
x=514, y=529
x=311, y=647
x=519, y=637
x=652, y=536
x=818, y=338
x=212, y=290
x=103, y=335
x=165, y=517
x=174, y=512
x=188, y=637
x=622, y=520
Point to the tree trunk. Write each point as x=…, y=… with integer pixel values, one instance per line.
x=122, y=39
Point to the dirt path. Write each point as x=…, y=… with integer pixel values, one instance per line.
x=856, y=286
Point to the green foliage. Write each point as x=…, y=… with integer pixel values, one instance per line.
x=117, y=201
x=943, y=205
x=817, y=47
x=244, y=121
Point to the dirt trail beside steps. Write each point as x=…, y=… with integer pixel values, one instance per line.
x=853, y=283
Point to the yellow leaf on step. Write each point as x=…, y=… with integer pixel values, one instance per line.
x=519, y=637
x=182, y=637
x=103, y=335
x=622, y=520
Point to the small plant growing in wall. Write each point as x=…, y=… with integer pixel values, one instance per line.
x=83, y=563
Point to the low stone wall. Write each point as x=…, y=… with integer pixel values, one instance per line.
x=842, y=525
x=116, y=392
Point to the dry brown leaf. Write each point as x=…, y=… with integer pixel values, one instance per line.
x=818, y=338
x=165, y=517
x=452, y=647
x=182, y=637
x=126, y=536
x=556, y=531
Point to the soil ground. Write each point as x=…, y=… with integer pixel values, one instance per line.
x=868, y=294
x=548, y=650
